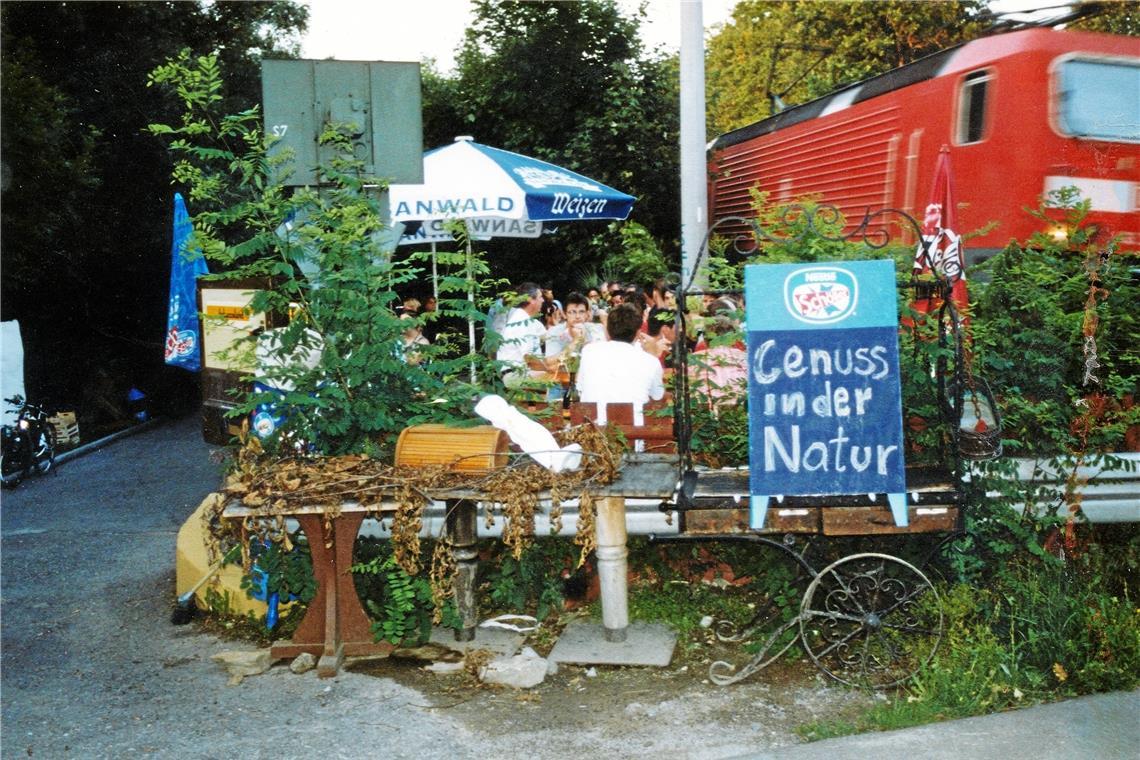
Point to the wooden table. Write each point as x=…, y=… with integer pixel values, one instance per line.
x=336, y=626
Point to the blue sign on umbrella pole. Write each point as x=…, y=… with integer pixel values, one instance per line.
x=182, y=329
x=824, y=397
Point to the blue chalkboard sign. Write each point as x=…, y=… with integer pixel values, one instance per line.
x=824, y=399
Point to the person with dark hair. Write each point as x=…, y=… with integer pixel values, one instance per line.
x=635, y=294
x=567, y=339
x=521, y=335
x=548, y=295
x=597, y=305
x=552, y=315
x=616, y=370
x=657, y=292
x=661, y=334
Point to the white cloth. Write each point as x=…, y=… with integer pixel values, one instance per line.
x=521, y=336
x=11, y=369
x=558, y=337
x=529, y=435
x=614, y=372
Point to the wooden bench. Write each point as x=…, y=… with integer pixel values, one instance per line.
x=718, y=504
x=656, y=432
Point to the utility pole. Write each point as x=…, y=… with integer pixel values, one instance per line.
x=694, y=187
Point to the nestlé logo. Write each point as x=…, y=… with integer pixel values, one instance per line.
x=821, y=295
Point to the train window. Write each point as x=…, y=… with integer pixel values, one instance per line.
x=1093, y=99
x=972, y=107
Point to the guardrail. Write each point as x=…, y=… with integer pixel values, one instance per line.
x=1108, y=494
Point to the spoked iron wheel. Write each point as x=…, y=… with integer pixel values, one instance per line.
x=871, y=620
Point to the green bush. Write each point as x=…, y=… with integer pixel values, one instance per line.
x=1060, y=391
x=532, y=584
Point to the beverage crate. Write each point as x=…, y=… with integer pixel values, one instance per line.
x=66, y=429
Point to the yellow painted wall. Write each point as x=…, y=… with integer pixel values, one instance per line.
x=191, y=564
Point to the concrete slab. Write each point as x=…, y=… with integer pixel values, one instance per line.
x=585, y=643
x=495, y=640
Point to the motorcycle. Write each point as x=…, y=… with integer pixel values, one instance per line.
x=27, y=446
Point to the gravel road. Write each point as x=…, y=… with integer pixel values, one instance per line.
x=92, y=667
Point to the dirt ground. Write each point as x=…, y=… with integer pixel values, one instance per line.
x=673, y=711
x=634, y=711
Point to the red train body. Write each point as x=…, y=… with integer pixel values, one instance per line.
x=1022, y=113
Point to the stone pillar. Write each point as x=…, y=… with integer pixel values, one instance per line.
x=613, y=567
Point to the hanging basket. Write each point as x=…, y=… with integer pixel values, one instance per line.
x=979, y=424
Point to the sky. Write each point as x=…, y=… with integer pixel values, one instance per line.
x=411, y=30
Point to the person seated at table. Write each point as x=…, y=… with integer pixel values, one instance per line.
x=658, y=341
x=411, y=306
x=565, y=341
x=552, y=314
x=520, y=347
x=413, y=340
x=719, y=372
x=597, y=305
x=548, y=295
x=616, y=370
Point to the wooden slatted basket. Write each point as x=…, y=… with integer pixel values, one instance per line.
x=474, y=449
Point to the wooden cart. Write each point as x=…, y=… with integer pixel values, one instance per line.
x=870, y=618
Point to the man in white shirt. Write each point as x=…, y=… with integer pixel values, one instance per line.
x=617, y=371
x=567, y=339
x=522, y=335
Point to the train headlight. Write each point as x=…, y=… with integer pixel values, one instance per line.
x=1059, y=234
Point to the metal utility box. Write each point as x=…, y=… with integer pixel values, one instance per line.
x=226, y=319
x=382, y=100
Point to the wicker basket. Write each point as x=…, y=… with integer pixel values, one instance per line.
x=473, y=449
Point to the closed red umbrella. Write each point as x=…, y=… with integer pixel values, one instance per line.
x=941, y=247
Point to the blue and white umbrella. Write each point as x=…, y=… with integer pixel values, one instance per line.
x=469, y=181
x=497, y=194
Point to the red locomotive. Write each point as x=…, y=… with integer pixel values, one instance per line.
x=1023, y=113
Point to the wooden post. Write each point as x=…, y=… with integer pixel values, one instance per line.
x=335, y=624
x=462, y=521
x=612, y=567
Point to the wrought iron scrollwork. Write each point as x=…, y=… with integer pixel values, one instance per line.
x=874, y=230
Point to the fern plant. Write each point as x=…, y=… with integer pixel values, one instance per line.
x=400, y=604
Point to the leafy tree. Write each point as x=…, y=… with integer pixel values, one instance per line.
x=1112, y=16
x=804, y=49
x=568, y=83
x=86, y=194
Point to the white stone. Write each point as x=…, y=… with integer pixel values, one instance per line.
x=519, y=672
x=244, y=663
x=445, y=668
x=303, y=663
